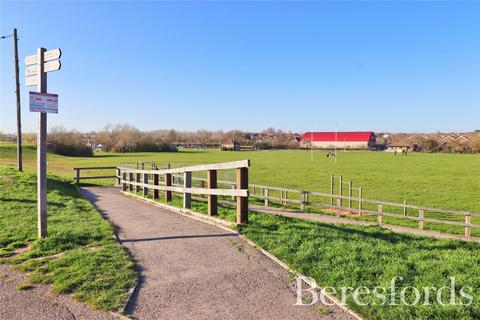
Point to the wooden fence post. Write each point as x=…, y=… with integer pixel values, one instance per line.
x=421, y=215
x=266, y=194
x=168, y=183
x=340, y=190
x=118, y=176
x=155, y=183
x=404, y=207
x=212, y=199
x=242, y=202
x=360, y=200
x=339, y=205
x=202, y=185
x=130, y=179
x=468, y=228
x=124, y=183
x=380, y=214
x=254, y=190
x=187, y=183
x=137, y=179
x=145, y=181
x=350, y=196
x=302, y=200
x=78, y=176
x=332, y=187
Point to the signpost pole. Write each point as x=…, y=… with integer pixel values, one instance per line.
x=42, y=151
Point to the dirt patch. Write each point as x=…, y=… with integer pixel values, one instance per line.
x=343, y=212
x=6, y=179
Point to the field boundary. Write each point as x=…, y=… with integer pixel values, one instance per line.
x=340, y=205
x=337, y=204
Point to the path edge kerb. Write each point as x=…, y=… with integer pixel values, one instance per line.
x=226, y=225
x=121, y=311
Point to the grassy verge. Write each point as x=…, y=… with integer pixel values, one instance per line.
x=355, y=256
x=79, y=256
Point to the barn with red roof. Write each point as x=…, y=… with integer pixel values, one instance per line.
x=340, y=140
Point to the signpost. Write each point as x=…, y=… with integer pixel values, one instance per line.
x=43, y=103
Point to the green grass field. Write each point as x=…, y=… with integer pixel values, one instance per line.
x=79, y=256
x=449, y=181
x=352, y=256
x=446, y=181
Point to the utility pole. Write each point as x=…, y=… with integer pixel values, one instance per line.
x=17, y=93
x=336, y=133
x=311, y=143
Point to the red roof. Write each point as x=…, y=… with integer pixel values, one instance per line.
x=353, y=136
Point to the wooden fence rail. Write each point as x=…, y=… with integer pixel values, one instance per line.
x=263, y=192
x=78, y=171
x=183, y=176
x=180, y=180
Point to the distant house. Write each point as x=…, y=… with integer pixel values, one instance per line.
x=398, y=147
x=230, y=145
x=340, y=140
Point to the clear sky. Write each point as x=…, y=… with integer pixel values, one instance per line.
x=382, y=66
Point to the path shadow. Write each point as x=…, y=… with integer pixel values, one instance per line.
x=54, y=203
x=216, y=235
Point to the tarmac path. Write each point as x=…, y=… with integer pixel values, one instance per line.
x=193, y=270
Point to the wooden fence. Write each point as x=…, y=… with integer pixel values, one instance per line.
x=180, y=180
x=153, y=181
x=78, y=171
x=356, y=204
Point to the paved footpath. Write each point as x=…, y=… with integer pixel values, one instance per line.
x=193, y=270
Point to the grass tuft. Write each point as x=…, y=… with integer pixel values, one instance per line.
x=24, y=286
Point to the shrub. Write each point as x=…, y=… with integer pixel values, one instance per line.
x=126, y=138
x=154, y=147
x=68, y=143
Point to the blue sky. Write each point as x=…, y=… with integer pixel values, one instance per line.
x=382, y=66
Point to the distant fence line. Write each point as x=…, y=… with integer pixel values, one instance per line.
x=278, y=195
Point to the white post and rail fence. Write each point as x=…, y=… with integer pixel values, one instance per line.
x=180, y=181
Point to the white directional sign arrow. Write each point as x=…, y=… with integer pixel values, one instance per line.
x=52, y=66
x=31, y=70
x=52, y=55
x=47, y=56
x=31, y=60
x=31, y=81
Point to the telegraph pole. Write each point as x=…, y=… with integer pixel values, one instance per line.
x=311, y=143
x=17, y=93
